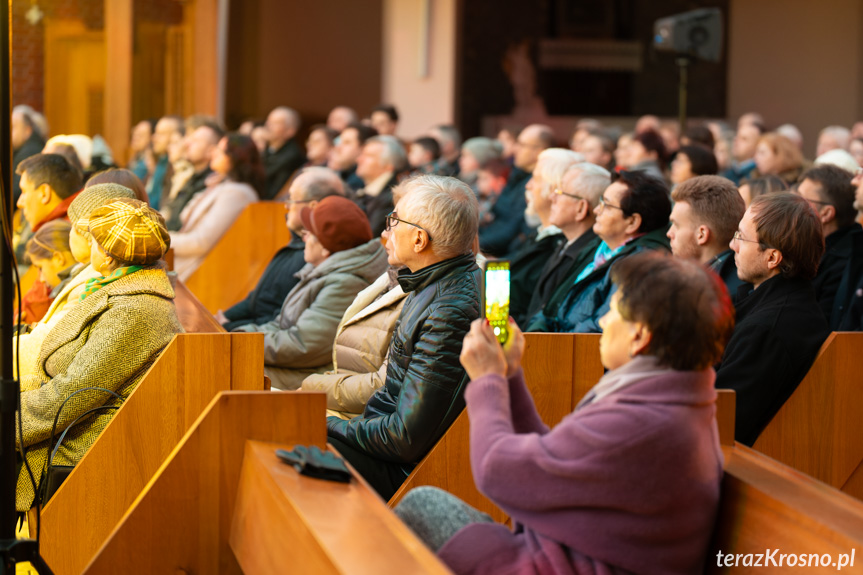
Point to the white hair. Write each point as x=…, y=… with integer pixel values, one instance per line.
x=841, y=134
x=791, y=132
x=588, y=182
x=393, y=151
x=551, y=164
x=446, y=208
x=292, y=117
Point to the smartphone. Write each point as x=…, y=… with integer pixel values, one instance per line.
x=495, y=297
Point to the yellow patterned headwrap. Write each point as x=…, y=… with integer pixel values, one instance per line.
x=130, y=231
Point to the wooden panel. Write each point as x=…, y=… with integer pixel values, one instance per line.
x=204, y=73
x=118, y=92
x=236, y=263
x=854, y=485
x=819, y=430
x=726, y=411
x=276, y=504
x=181, y=521
x=194, y=317
x=549, y=365
x=75, y=64
x=174, y=392
x=766, y=505
x=588, y=368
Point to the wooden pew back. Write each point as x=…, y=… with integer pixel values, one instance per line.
x=232, y=269
x=276, y=504
x=819, y=430
x=768, y=506
x=194, y=317
x=174, y=392
x=182, y=519
x=559, y=370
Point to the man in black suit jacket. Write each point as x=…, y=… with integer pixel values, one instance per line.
x=780, y=326
x=707, y=210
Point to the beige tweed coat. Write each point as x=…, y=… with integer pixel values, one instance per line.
x=109, y=340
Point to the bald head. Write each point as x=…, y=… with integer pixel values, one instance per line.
x=307, y=189
x=531, y=141
x=282, y=125
x=341, y=117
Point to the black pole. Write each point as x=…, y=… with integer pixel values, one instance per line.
x=12, y=551
x=9, y=391
x=682, y=88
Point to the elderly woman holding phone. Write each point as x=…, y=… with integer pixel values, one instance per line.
x=631, y=478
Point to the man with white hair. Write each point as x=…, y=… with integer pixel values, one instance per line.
x=503, y=233
x=572, y=211
x=282, y=156
x=382, y=158
x=832, y=138
x=432, y=234
x=527, y=262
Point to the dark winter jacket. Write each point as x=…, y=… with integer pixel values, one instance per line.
x=779, y=330
x=425, y=382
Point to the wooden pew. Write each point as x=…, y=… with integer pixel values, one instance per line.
x=766, y=505
x=192, y=313
x=236, y=263
x=819, y=430
x=144, y=431
x=182, y=521
x=276, y=504
x=559, y=370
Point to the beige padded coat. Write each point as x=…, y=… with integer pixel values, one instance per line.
x=360, y=350
x=108, y=340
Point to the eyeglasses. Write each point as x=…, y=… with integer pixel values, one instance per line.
x=289, y=203
x=560, y=192
x=392, y=221
x=739, y=237
x=605, y=204
x=819, y=202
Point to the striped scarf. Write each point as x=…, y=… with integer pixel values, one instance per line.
x=95, y=284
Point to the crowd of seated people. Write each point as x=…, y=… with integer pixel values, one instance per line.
x=372, y=300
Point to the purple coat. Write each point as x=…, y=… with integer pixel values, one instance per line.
x=629, y=482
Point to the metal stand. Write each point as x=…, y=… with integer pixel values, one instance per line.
x=12, y=550
x=683, y=62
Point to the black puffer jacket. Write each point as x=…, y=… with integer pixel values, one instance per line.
x=425, y=381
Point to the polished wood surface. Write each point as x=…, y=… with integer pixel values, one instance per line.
x=152, y=421
x=192, y=314
x=181, y=522
x=275, y=504
x=819, y=430
x=169, y=259
x=766, y=505
x=236, y=263
x=559, y=370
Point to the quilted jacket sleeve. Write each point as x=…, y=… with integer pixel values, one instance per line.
x=433, y=383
